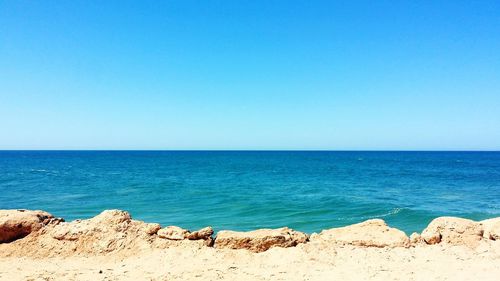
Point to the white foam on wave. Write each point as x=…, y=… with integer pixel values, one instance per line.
x=390, y=213
x=39, y=170
x=44, y=171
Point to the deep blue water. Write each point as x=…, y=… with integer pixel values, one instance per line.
x=240, y=190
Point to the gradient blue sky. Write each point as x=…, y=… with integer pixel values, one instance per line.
x=250, y=75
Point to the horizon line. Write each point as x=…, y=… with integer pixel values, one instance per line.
x=257, y=150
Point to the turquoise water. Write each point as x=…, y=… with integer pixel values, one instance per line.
x=240, y=190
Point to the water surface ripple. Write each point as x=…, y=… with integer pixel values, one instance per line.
x=244, y=190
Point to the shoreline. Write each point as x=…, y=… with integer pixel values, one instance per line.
x=42, y=246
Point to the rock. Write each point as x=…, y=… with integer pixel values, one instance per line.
x=112, y=217
x=68, y=231
x=209, y=242
x=204, y=233
x=370, y=233
x=314, y=236
x=415, y=238
x=173, y=233
x=259, y=240
x=109, y=231
x=109, y=221
x=431, y=237
x=491, y=228
x=152, y=228
x=455, y=231
x=16, y=224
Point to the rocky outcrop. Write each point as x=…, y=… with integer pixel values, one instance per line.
x=173, y=233
x=39, y=234
x=15, y=224
x=416, y=238
x=371, y=233
x=177, y=233
x=152, y=228
x=109, y=231
x=491, y=228
x=109, y=227
x=455, y=231
x=204, y=234
x=259, y=240
x=112, y=230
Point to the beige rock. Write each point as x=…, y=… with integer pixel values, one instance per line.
x=152, y=228
x=370, y=233
x=15, y=224
x=451, y=230
x=110, y=231
x=259, y=240
x=314, y=236
x=431, y=236
x=415, y=238
x=204, y=233
x=209, y=242
x=173, y=233
x=491, y=228
x=107, y=222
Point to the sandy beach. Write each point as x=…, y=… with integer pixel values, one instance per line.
x=308, y=262
x=112, y=246
x=249, y=140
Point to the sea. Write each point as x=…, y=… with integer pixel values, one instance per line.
x=245, y=190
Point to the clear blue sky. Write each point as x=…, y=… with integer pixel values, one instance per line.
x=250, y=75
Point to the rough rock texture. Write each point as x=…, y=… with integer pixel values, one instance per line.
x=416, y=238
x=152, y=228
x=173, y=233
x=451, y=230
x=259, y=240
x=491, y=228
x=109, y=231
x=15, y=224
x=38, y=234
x=176, y=234
x=370, y=233
x=109, y=228
x=204, y=233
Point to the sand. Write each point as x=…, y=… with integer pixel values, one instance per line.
x=112, y=246
x=188, y=261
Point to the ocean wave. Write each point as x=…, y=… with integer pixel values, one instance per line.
x=392, y=212
x=44, y=171
x=71, y=196
x=39, y=170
